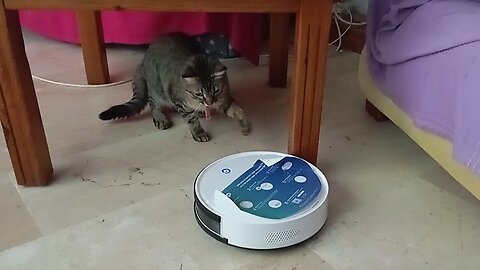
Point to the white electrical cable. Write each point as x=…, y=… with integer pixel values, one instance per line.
x=338, y=28
x=80, y=85
x=340, y=34
x=351, y=21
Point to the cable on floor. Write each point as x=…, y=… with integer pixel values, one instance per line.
x=80, y=85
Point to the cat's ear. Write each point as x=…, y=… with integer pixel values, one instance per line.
x=220, y=70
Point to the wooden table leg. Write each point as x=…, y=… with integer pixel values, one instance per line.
x=278, y=49
x=19, y=113
x=311, y=44
x=93, y=46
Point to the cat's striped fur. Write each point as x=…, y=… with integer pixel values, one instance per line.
x=176, y=72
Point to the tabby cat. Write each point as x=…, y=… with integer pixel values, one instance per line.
x=176, y=72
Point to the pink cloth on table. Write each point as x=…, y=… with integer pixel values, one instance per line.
x=143, y=27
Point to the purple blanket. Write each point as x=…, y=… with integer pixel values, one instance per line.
x=425, y=56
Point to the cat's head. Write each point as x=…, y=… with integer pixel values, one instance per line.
x=205, y=79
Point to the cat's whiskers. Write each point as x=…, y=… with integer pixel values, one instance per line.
x=194, y=111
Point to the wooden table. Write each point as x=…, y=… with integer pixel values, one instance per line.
x=20, y=115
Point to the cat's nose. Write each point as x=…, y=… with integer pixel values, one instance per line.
x=209, y=101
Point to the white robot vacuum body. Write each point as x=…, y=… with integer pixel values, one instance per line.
x=222, y=218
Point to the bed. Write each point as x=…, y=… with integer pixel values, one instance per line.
x=439, y=148
x=421, y=69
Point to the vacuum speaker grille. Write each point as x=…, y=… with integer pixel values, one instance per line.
x=277, y=237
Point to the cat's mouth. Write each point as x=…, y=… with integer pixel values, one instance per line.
x=209, y=110
x=206, y=104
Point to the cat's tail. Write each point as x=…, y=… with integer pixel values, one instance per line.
x=132, y=107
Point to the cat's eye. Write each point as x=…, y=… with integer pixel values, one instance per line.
x=216, y=90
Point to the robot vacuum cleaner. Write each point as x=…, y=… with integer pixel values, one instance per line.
x=261, y=200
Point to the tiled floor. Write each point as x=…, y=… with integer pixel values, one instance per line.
x=122, y=196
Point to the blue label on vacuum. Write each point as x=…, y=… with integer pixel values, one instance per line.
x=276, y=191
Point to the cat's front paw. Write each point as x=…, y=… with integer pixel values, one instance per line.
x=159, y=119
x=162, y=124
x=236, y=112
x=245, y=126
x=201, y=137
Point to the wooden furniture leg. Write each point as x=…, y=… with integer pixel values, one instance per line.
x=93, y=46
x=278, y=49
x=312, y=31
x=19, y=112
x=374, y=112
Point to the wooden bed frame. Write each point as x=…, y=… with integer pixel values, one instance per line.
x=20, y=115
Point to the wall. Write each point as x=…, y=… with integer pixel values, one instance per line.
x=360, y=5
